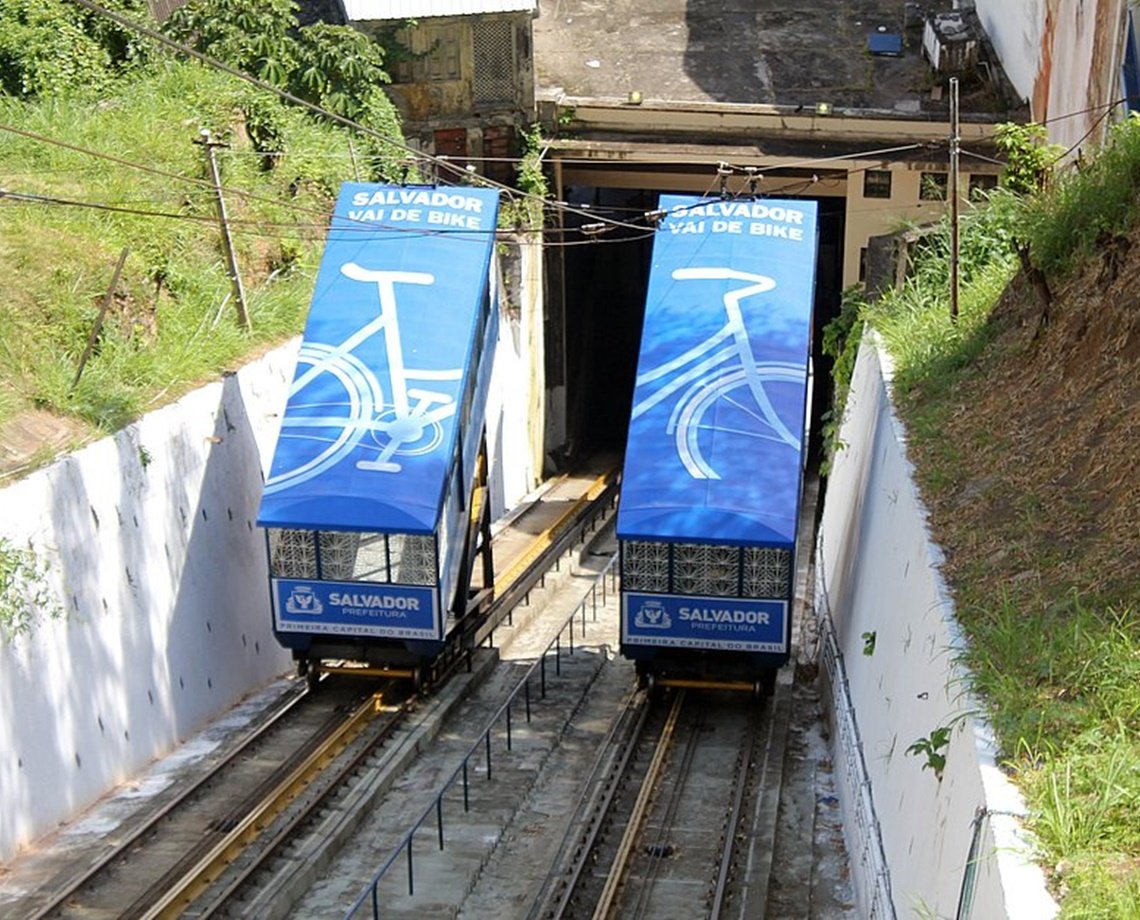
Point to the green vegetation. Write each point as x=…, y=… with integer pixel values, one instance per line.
x=841, y=338
x=1028, y=467
x=334, y=67
x=98, y=154
x=528, y=213
x=24, y=592
x=932, y=750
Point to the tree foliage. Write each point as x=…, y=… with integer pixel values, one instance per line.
x=334, y=67
x=1029, y=156
x=49, y=47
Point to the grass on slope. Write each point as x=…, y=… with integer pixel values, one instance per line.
x=1025, y=433
x=171, y=323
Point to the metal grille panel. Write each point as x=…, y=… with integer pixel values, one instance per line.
x=645, y=566
x=699, y=568
x=767, y=572
x=413, y=559
x=338, y=554
x=292, y=553
x=493, y=42
x=371, y=558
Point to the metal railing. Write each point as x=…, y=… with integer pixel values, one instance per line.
x=872, y=878
x=482, y=744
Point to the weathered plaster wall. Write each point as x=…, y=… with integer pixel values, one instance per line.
x=889, y=642
x=1064, y=57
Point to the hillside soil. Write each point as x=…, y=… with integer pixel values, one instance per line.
x=1039, y=453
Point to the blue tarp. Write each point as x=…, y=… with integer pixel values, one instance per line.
x=716, y=437
x=370, y=427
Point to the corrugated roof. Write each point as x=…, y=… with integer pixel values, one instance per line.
x=373, y=10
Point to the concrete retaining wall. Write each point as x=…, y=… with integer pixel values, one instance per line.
x=158, y=569
x=158, y=578
x=889, y=641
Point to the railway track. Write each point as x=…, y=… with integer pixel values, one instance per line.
x=673, y=822
x=660, y=825
x=164, y=864
x=210, y=849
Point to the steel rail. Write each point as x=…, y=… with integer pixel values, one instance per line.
x=638, y=705
x=677, y=793
x=218, y=901
x=729, y=848
x=177, y=894
x=129, y=842
x=640, y=807
x=482, y=740
x=547, y=547
x=550, y=535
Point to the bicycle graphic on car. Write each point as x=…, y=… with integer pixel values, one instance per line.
x=348, y=408
x=724, y=392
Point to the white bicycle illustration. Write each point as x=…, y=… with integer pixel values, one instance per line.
x=722, y=373
x=334, y=424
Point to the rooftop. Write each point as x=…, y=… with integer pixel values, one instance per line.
x=383, y=10
x=864, y=55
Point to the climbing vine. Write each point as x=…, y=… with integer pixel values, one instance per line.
x=24, y=590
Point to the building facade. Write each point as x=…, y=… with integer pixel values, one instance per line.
x=462, y=77
x=1074, y=61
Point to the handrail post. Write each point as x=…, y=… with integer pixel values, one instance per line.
x=439, y=817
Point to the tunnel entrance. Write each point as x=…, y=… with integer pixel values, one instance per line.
x=595, y=323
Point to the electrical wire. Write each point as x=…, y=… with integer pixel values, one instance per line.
x=438, y=162
x=593, y=214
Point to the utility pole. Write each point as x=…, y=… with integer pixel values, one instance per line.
x=953, y=179
x=98, y=327
x=208, y=144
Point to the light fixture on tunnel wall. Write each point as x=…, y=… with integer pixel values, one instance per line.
x=823, y=108
x=634, y=97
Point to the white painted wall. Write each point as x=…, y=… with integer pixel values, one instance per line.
x=877, y=572
x=1064, y=56
x=154, y=556
x=1015, y=30
x=516, y=403
x=152, y=549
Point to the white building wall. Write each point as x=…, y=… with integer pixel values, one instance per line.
x=1015, y=30
x=1064, y=57
x=517, y=396
x=891, y=641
